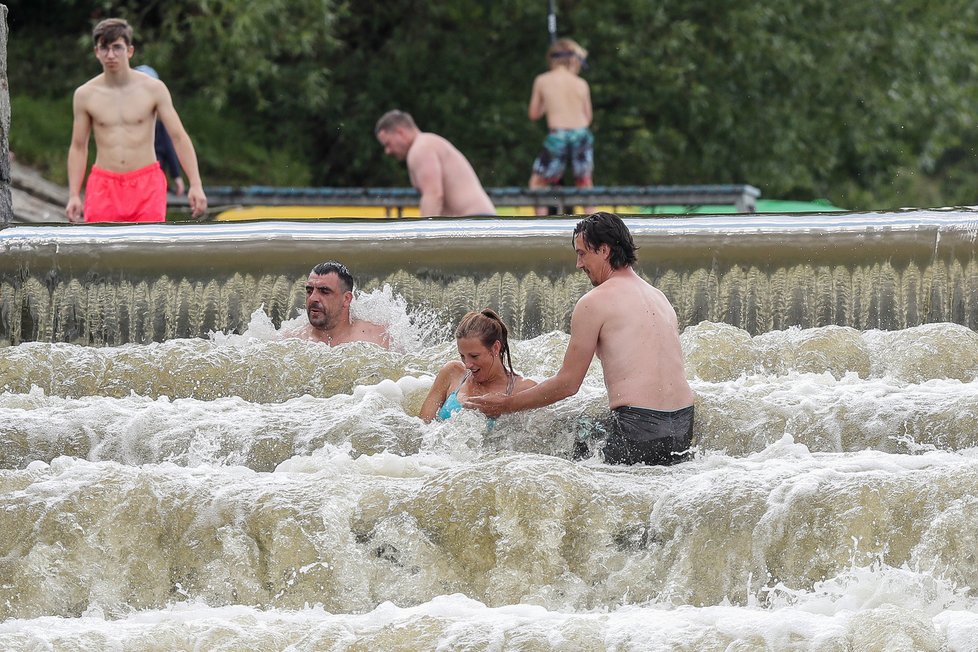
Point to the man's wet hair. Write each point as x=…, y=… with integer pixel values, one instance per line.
x=393, y=120
x=109, y=30
x=333, y=267
x=607, y=228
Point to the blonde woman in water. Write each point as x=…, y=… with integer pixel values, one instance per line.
x=485, y=367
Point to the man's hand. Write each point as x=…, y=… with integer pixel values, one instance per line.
x=73, y=211
x=179, y=188
x=198, y=200
x=492, y=405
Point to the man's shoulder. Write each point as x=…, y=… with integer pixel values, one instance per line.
x=423, y=143
x=305, y=332
x=154, y=88
x=615, y=290
x=553, y=78
x=428, y=146
x=595, y=299
x=428, y=139
x=372, y=332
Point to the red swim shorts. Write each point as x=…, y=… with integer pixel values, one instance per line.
x=137, y=196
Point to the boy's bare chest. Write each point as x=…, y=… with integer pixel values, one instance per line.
x=118, y=109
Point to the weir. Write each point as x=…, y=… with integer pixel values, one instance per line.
x=249, y=491
x=109, y=285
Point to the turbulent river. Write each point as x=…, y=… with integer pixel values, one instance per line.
x=174, y=475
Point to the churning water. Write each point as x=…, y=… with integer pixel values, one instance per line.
x=233, y=490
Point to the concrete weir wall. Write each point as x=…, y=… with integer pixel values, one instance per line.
x=6, y=204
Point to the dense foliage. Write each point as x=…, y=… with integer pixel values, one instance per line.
x=870, y=104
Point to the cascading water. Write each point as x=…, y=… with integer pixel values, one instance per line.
x=176, y=475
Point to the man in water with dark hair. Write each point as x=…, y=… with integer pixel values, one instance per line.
x=329, y=292
x=633, y=329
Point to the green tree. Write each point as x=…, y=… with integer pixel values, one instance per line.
x=868, y=104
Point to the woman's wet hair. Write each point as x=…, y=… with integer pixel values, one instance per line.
x=488, y=327
x=608, y=228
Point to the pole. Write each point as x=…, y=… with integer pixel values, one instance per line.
x=552, y=20
x=6, y=205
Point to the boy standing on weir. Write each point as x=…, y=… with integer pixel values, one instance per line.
x=121, y=107
x=565, y=98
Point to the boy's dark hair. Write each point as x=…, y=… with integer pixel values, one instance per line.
x=333, y=267
x=608, y=228
x=109, y=30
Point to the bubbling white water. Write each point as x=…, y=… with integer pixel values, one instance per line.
x=250, y=491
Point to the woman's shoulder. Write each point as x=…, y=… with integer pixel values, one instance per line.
x=452, y=369
x=523, y=383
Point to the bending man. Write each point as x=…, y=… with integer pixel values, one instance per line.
x=633, y=329
x=447, y=183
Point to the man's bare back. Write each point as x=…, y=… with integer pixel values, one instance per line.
x=443, y=176
x=638, y=343
x=462, y=193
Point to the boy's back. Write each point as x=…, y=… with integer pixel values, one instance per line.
x=563, y=97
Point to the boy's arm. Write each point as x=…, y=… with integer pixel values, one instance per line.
x=537, y=109
x=184, y=148
x=77, y=156
x=587, y=103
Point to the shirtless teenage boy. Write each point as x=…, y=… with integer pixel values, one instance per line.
x=447, y=183
x=120, y=106
x=565, y=98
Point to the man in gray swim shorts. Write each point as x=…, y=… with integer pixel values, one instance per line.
x=643, y=436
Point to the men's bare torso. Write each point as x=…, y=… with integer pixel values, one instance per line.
x=639, y=347
x=566, y=99
x=123, y=120
x=463, y=192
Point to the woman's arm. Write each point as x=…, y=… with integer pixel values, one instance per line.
x=444, y=381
